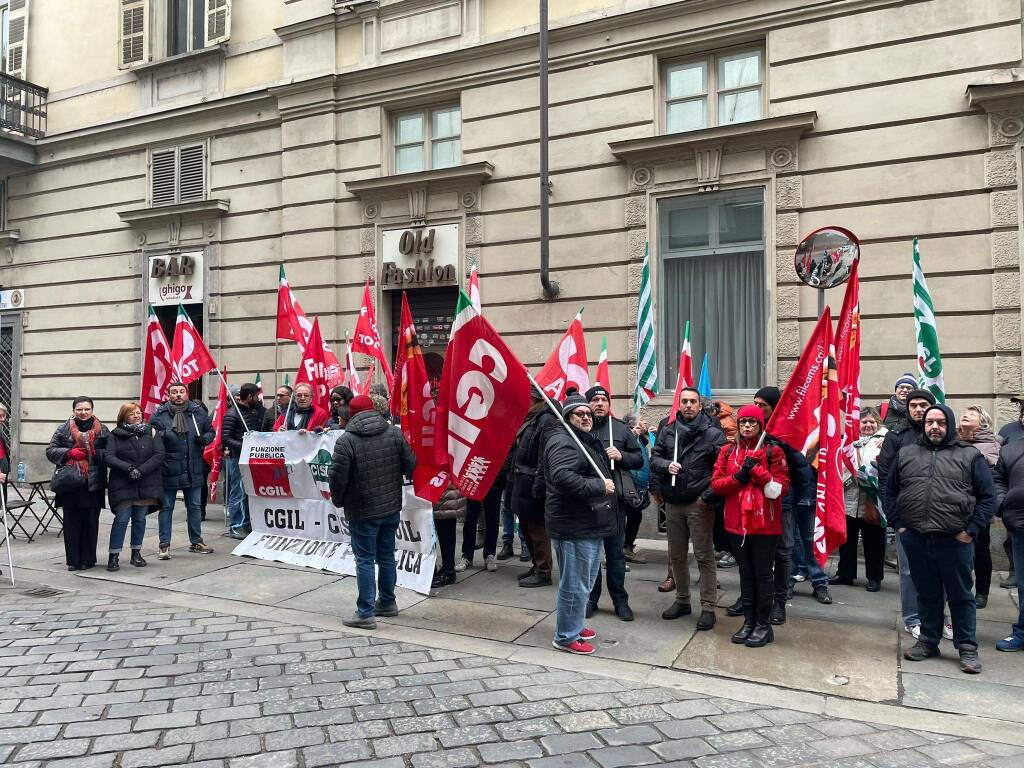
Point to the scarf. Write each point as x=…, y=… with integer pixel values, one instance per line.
x=900, y=409
x=751, y=498
x=83, y=435
x=179, y=426
x=300, y=417
x=135, y=429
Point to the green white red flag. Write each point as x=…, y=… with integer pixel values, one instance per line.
x=684, y=377
x=190, y=359
x=603, y=377
x=482, y=401
x=567, y=364
x=156, y=367
x=213, y=453
x=351, y=379
x=929, y=359
x=474, y=289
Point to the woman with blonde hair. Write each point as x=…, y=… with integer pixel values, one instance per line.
x=976, y=429
x=134, y=454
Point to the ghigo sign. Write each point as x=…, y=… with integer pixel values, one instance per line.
x=176, y=278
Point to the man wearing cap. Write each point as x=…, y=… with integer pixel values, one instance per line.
x=247, y=417
x=939, y=496
x=624, y=452
x=894, y=413
x=580, y=512
x=370, y=460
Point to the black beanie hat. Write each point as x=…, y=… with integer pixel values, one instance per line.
x=770, y=395
x=595, y=390
x=921, y=394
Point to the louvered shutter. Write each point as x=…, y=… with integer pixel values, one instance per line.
x=192, y=173
x=218, y=21
x=17, y=38
x=133, y=48
x=163, y=177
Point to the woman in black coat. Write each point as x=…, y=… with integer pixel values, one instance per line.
x=134, y=454
x=74, y=444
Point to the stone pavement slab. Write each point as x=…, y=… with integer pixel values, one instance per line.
x=338, y=598
x=462, y=617
x=256, y=584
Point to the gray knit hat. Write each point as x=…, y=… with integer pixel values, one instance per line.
x=572, y=402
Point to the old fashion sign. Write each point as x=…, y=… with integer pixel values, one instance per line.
x=420, y=257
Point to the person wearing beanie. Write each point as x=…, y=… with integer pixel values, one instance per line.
x=370, y=462
x=580, y=512
x=904, y=434
x=624, y=453
x=939, y=496
x=894, y=412
x=752, y=478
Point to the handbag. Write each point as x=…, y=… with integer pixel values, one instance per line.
x=630, y=495
x=67, y=478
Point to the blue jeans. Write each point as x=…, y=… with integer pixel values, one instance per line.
x=803, y=549
x=941, y=565
x=193, y=508
x=1017, y=543
x=373, y=543
x=234, y=495
x=908, y=595
x=579, y=563
x=137, y=516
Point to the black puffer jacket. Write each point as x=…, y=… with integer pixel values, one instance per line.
x=123, y=451
x=895, y=439
x=57, y=453
x=233, y=429
x=183, y=454
x=623, y=439
x=370, y=459
x=699, y=446
x=525, y=466
x=570, y=482
x=1009, y=479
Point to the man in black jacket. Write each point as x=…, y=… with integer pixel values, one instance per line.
x=1009, y=433
x=371, y=458
x=247, y=417
x=282, y=397
x=1009, y=480
x=686, y=450
x=623, y=451
x=939, y=496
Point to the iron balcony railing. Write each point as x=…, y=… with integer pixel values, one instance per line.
x=22, y=106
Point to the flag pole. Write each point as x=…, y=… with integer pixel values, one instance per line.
x=226, y=387
x=568, y=429
x=611, y=444
x=7, y=531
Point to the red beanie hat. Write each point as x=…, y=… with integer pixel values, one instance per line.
x=751, y=412
x=360, y=403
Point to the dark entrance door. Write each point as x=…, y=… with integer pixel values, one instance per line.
x=433, y=310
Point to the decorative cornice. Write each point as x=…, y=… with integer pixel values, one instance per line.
x=167, y=62
x=203, y=210
x=991, y=96
x=305, y=27
x=401, y=183
x=755, y=133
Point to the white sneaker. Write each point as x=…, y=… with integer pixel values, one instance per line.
x=462, y=565
x=947, y=631
x=800, y=577
x=490, y=563
x=914, y=631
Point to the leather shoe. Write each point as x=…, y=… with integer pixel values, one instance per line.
x=506, y=552
x=761, y=636
x=981, y=601
x=591, y=607
x=536, y=580
x=443, y=579
x=524, y=556
x=778, y=614
x=668, y=585
x=706, y=621
x=624, y=612
x=740, y=636
x=873, y=586
x=527, y=574
x=836, y=580
x=676, y=610
x=736, y=609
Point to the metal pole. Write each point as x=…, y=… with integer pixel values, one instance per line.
x=821, y=302
x=7, y=532
x=550, y=288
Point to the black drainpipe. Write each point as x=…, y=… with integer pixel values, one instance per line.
x=550, y=287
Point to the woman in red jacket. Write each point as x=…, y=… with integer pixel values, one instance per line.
x=753, y=482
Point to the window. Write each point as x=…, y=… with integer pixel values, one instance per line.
x=14, y=16
x=177, y=175
x=428, y=139
x=712, y=273
x=720, y=89
x=177, y=26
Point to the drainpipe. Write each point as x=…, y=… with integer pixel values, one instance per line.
x=550, y=287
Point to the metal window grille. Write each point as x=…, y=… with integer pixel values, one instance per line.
x=9, y=366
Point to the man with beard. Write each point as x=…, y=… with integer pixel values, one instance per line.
x=939, y=497
x=624, y=453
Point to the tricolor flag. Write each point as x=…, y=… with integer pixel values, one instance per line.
x=646, y=354
x=156, y=367
x=351, y=374
x=474, y=288
x=259, y=386
x=567, y=363
x=603, y=377
x=213, y=453
x=929, y=360
x=367, y=338
x=684, y=377
x=190, y=358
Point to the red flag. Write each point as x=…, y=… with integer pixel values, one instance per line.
x=482, y=401
x=367, y=338
x=213, y=453
x=156, y=367
x=293, y=324
x=830, y=507
x=567, y=363
x=312, y=369
x=795, y=418
x=847, y=343
x=190, y=358
x=413, y=406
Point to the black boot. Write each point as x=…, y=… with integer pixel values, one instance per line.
x=506, y=551
x=761, y=636
x=137, y=560
x=744, y=632
x=736, y=609
x=112, y=563
x=778, y=614
x=443, y=579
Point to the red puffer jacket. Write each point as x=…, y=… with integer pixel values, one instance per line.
x=747, y=509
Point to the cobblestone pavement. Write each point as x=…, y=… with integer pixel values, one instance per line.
x=94, y=681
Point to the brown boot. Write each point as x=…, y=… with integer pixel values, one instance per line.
x=668, y=585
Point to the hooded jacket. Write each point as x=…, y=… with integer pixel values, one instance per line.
x=183, y=454
x=747, y=510
x=571, y=483
x=945, y=488
x=371, y=460
x=699, y=443
x=906, y=433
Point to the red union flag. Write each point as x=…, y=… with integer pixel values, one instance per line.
x=367, y=338
x=847, y=342
x=156, y=367
x=830, y=507
x=795, y=418
x=212, y=454
x=190, y=358
x=312, y=369
x=413, y=406
x=568, y=363
x=482, y=401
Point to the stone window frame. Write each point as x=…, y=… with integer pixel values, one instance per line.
x=426, y=111
x=711, y=92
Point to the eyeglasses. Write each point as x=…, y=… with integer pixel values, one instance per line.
x=586, y=415
x=748, y=422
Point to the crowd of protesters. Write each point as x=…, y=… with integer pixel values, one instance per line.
x=576, y=483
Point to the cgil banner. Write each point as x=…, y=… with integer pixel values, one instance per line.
x=293, y=518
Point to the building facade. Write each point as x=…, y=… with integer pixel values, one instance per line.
x=192, y=147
